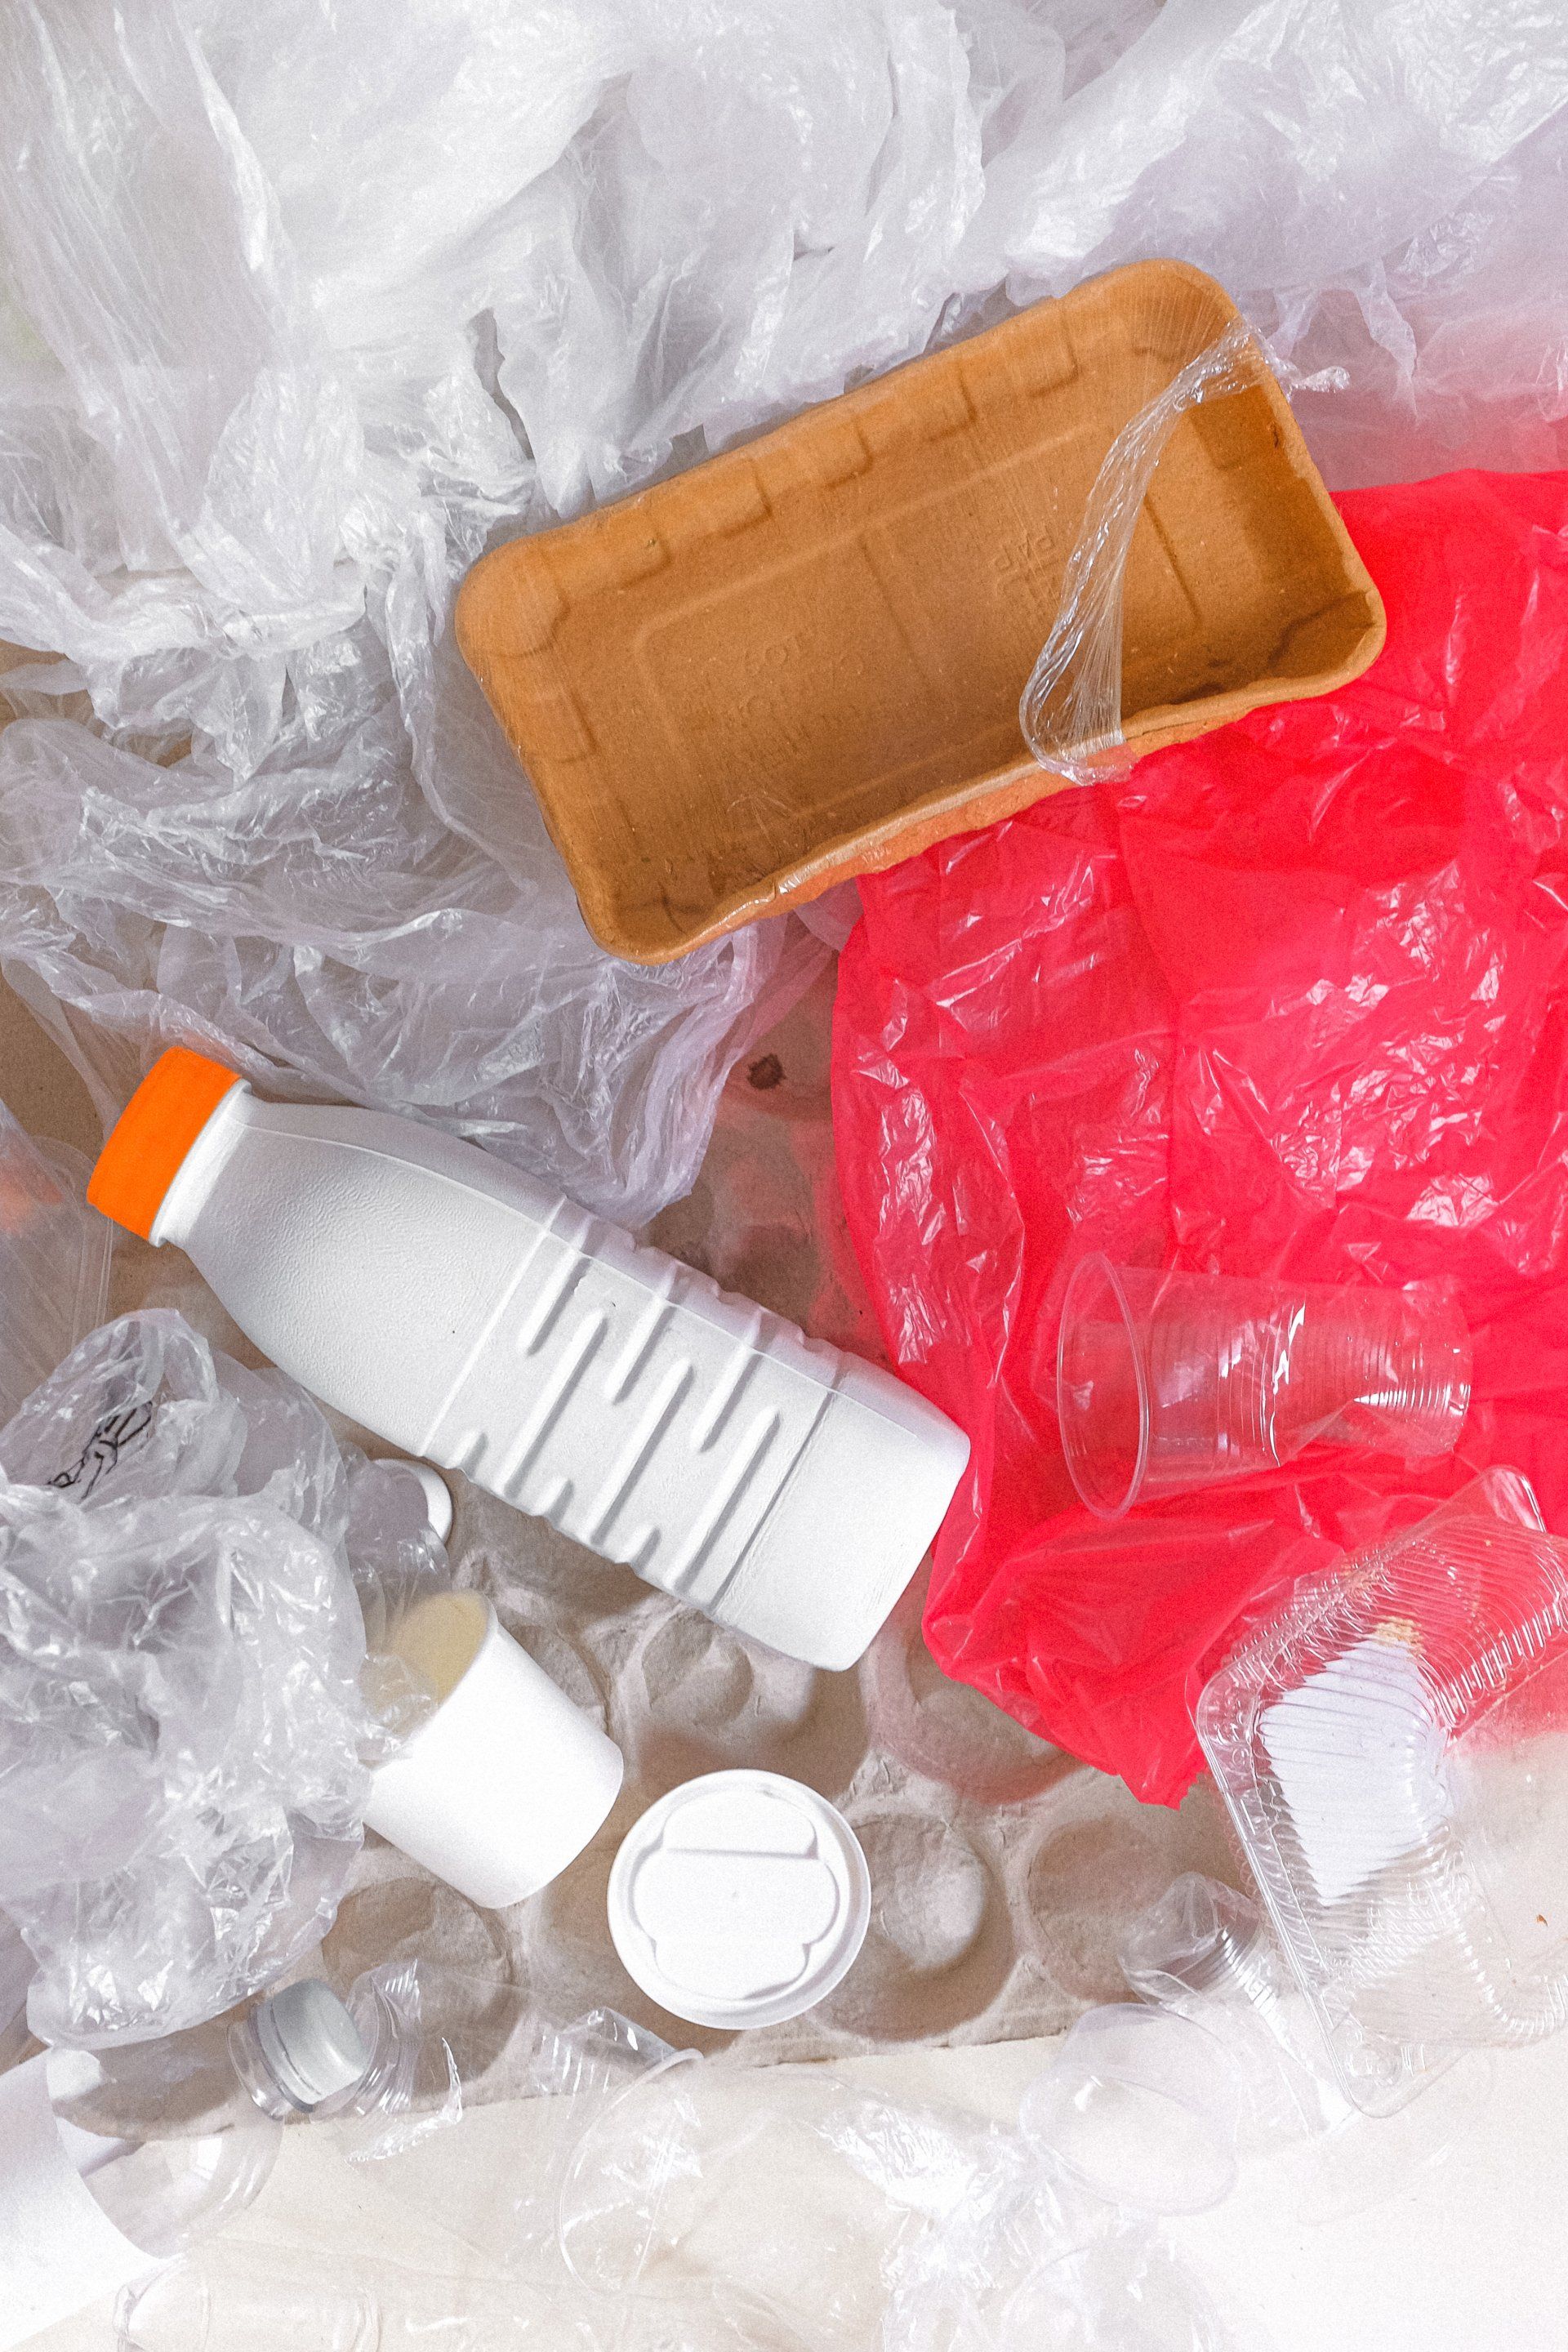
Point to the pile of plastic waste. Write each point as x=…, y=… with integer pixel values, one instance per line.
x=1198, y=1123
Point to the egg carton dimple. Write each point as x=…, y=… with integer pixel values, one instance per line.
x=1003, y=1872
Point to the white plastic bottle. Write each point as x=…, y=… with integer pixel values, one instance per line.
x=471, y=1317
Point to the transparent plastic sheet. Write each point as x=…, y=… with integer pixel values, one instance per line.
x=1381, y=197
x=928, y=2229
x=185, y=1725
x=1070, y=711
x=1010, y=2254
x=547, y=252
x=16, y=1975
x=316, y=927
x=54, y=1257
x=246, y=567
x=645, y=2199
x=1284, y=1004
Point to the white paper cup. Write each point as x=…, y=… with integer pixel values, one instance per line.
x=506, y=1782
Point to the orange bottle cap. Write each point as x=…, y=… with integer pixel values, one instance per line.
x=150, y=1141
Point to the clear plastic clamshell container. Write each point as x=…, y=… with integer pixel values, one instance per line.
x=1393, y=1747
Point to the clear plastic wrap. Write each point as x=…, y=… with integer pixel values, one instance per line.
x=246, y=563
x=184, y=1730
x=649, y=2201
x=1005, y=2252
x=1381, y=196
x=317, y=927
x=180, y=1719
x=54, y=1257
x=928, y=2228
x=266, y=393
x=1070, y=711
x=1284, y=1004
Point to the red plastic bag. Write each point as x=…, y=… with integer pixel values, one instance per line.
x=1290, y=999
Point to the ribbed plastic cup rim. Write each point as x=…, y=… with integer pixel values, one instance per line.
x=1098, y=1267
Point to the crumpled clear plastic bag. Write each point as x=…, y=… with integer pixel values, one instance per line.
x=55, y=1258
x=243, y=541
x=652, y=2200
x=1286, y=1001
x=928, y=2229
x=1010, y=2254
x=265, y=394
x=184, y=1730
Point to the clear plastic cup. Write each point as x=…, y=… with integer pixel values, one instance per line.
x=1142, y=2106
x=1166, y=1383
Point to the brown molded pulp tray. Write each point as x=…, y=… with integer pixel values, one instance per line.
x=803, y=659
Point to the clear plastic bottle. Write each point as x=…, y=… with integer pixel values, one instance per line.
x=393, y=2060
x=114, y=2161
x=111, y=2163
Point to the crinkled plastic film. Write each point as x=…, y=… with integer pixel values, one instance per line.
x=1002, y=2247
x=246, y=559
x=55, y=1256
x=1283, y=1003
x=927, y=2227
x=1070, y=711
x=664, y=2209
x=265, y=395
x=185, y=1729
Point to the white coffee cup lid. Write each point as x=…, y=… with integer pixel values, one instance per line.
x=740, y=1899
